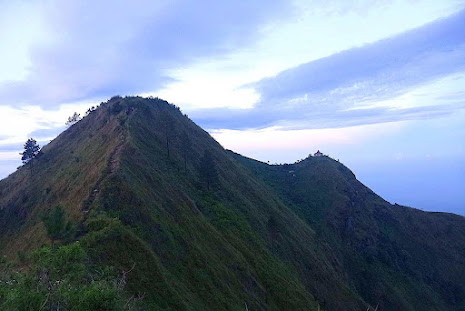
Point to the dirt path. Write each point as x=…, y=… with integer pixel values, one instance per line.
x=114, y=162
x=113, y=165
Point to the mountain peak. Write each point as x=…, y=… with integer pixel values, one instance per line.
x=146, y=192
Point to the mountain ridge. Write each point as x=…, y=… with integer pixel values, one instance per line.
x=128, y=179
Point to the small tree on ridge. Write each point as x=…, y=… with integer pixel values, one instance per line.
x=31, y=150
x=73, y=119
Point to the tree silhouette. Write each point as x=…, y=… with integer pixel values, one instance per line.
x=73, y=119
x=186, y=147
x=208, y=170
x=31, y=150
x=90, y=110
x=169, y=129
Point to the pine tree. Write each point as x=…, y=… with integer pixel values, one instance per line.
x=31, y=150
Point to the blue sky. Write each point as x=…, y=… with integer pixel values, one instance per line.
x=379, y=85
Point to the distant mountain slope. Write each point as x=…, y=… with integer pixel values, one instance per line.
x=395, y=256
x=192, y=226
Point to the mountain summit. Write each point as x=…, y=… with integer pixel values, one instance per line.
x=139, y=189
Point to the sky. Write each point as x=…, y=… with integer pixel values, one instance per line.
x=379, y=85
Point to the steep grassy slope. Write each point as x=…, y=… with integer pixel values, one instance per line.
x=398, y=257
x=125, y=183
x=65, y=175
x=236, y=240
x=188, y=225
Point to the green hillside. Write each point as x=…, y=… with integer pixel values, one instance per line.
x=395, y=256
x=137, y=208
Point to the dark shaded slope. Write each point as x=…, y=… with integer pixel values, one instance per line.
x=132, y=180
x=235, y=244
x=139, y=202
x=398, y=257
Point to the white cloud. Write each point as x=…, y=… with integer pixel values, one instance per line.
x=378, y=77
x=94, y=49
x=9, y=155
x=208, y=92
x=18, y=124
x=281, y=145
x=18, y=37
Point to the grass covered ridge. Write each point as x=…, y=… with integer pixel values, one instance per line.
x=179, y=223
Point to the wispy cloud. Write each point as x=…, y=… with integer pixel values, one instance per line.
x=327, y=92
x=98, y=49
